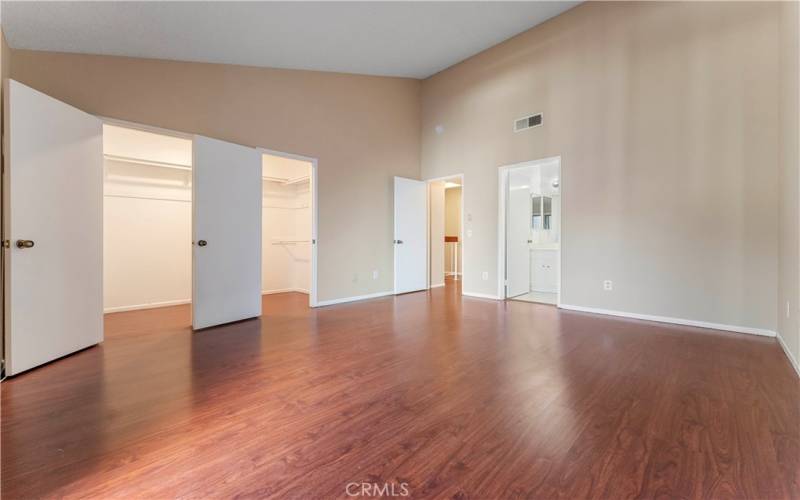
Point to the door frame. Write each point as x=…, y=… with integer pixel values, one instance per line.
x=502, y=216
x=312, y=294
x=428, y=183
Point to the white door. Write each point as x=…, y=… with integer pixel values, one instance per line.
x=226, y=232
x=410, y=235
x=518, y=233
x=53, y=206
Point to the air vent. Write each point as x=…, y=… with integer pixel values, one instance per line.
x=527, y=122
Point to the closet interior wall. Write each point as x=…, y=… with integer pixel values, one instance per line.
x=147, y=210
x=286, y=225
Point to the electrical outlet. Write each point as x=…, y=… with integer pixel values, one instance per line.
x=375, y=274
x=608, y=285
x=485, y=276
x=469, y=233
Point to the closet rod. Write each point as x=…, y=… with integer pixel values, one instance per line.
x=127, y=159
x=289, y=242
x=286, y=181
x=133, y=197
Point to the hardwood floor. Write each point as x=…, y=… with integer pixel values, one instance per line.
x=452, y=397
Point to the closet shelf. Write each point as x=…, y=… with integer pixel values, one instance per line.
x=150, y=163
x=286, y=208
x=289, y=242
x=286, y=181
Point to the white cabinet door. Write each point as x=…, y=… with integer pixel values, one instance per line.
x=544, y=270
x=226, y=232
x=410, y=235
x=53, y=209
x=518, y=234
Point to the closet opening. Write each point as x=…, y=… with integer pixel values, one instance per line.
x=147, y=219
x=530, y=239
x=445, y=222
x=287, y=225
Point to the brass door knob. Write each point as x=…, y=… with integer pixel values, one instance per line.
x=24, y=243
x=202, y=243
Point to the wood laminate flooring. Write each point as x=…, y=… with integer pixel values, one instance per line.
x=452, y=396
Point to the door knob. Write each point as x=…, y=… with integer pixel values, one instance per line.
x=399, y=242
x=202, y=243
x=24, y=243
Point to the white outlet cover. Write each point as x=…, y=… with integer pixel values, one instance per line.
x=608, y=285
x=469, y=233
x=485, y=275
x=375, y=274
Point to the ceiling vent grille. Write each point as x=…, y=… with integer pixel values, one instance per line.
x=527, y=122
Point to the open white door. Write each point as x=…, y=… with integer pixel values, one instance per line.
x=410, y=235
x=226, y=232
x=53, y=209
x=518, y=235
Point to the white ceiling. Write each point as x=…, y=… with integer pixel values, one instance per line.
x=411, y=39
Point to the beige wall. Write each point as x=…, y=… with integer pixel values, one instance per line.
x=666, y=119
x=789, y=151
x=362, y=129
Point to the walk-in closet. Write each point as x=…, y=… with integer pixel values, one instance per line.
x=147, y=219
x=286, y=230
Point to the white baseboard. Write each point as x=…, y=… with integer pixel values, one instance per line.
x=284, y=290
x=353, y=299
x=481, y=295
x=154, y=305
x=789, y=355
x=437, y=286
x=675, y=321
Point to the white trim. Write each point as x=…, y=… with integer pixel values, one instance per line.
x=284, y=290
x=437, y=286
x=312, y=295
x=152, y=305
x=675, y=321
x=480, y=295
x=354, y=299
x=460, y=236
x=145, y=128
x=792, y=360
x=283, y=154
x=502, y=189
